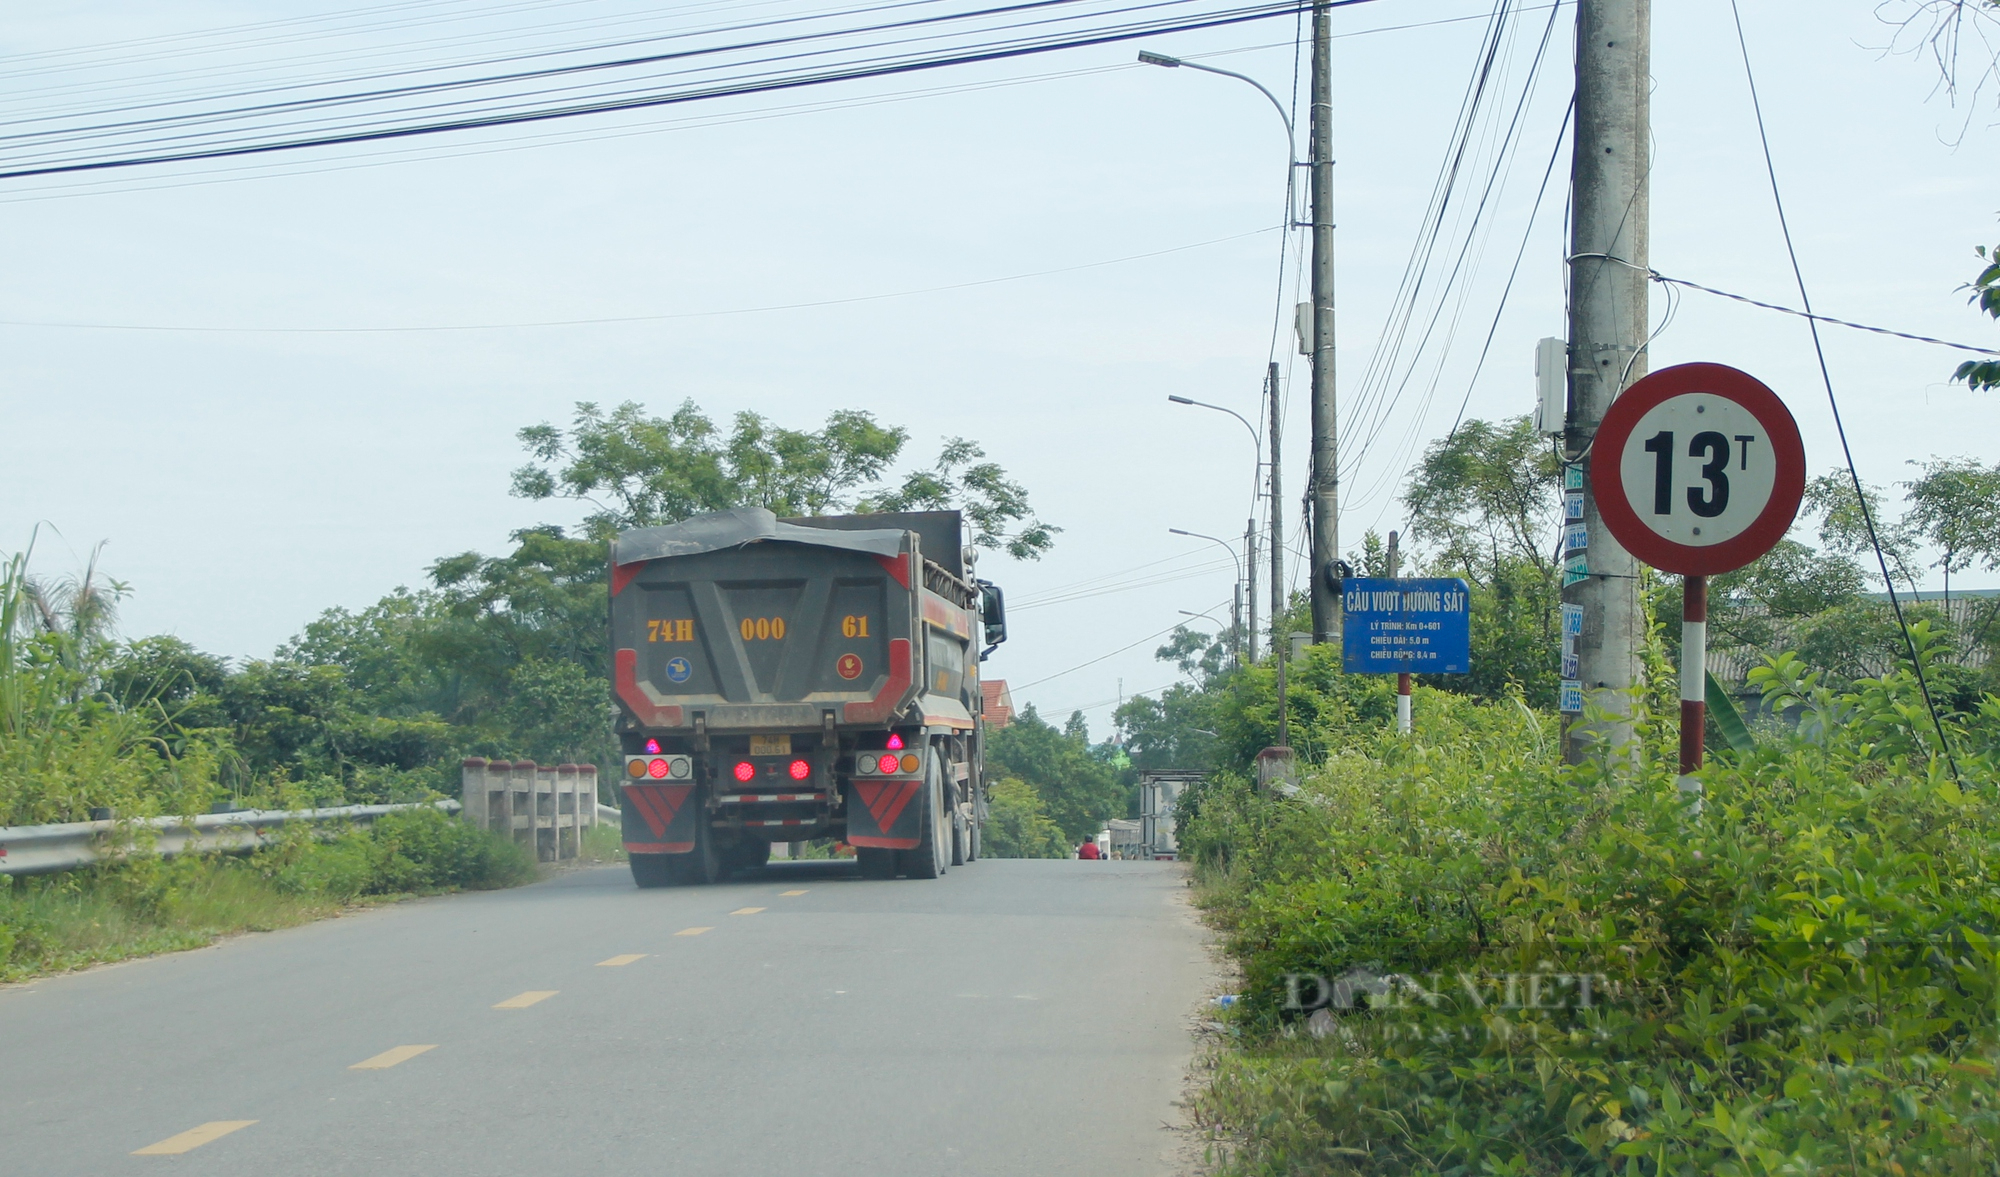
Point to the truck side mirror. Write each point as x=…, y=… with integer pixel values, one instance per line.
x=993, y=610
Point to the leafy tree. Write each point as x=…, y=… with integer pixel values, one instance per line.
x=1080, y=789
x=1487, y=503
x=1984, y=375
x=1487, y=496
x=1843, y=527
x=994, y=505
x=1176, y=730
x=1018, y=824
x=1955, y=507
x=637, y=470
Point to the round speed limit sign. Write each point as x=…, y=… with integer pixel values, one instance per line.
x=1698, y=469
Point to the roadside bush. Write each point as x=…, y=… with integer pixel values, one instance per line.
x=1524, y=967
x=427, y=849
x=1018, y=824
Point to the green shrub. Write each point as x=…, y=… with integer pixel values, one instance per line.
x=1798, y=978
x=1018, y=824
x=426, y=849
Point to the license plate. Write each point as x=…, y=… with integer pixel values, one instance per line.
x=770, y=745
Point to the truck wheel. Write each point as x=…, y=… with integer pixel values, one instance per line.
x=652, y=870
x=703, y=864
x=875, y=862
x=749, y=854
x=960, y=838
x=972, y=843
x=933, y=851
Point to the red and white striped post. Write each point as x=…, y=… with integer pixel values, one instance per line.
x=1403, y=704
x=1694, y=677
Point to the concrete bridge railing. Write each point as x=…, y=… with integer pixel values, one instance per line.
x=544, y=807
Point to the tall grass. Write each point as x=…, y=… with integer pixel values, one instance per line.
x=65, y=748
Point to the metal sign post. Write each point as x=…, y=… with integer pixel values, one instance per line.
x=1698, y=469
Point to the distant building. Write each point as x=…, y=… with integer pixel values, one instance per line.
x=998, y=702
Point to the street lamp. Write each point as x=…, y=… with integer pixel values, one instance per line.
x=1255, y=441
x=1250, y=529
x=1236, y=610
x=1148, y=57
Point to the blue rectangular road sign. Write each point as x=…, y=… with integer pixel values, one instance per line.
x=1414, y=625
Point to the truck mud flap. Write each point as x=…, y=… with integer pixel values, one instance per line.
x=886, y=815
x=660, y=819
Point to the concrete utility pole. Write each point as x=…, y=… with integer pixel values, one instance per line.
x=1250, y=586
x=1279, y=627
x=1607, y=330
x=1325, y=471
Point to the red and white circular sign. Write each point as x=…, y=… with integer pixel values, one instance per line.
x=1698, y=469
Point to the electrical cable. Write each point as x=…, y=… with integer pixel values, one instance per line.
x=997, y=51
x=228, y=114
x=1502, y=163
x=1656, y=276
x=1379, y=403
x=1527, y=233
x=1826, y=377
x=1475, y=251
x=1120, y=650
x=1127, y=586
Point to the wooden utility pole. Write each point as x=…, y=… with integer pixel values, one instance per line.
x=1607, y=334
x=1324, y=476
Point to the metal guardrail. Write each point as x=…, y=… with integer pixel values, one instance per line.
x=546, y=808
x=33, y=850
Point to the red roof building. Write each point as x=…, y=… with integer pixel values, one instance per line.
x=997, y=702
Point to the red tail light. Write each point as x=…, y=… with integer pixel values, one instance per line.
x=652, y=746
x=800, y=770
x=745, y=770
x=895, y=742
x=888, y=764
x=657, y=769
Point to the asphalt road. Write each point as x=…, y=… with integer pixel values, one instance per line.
x=1010, y=1018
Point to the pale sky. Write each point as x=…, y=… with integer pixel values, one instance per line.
x=243, y=481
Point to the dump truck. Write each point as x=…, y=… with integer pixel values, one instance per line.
x=790, y=680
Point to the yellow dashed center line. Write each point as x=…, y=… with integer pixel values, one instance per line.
x=746, y=911
x=789, y=894
x=693, y=931
x=524, y=1000
x=616, y=961
x=390, y=1058
x=193, y=1138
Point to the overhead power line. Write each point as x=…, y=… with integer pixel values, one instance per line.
x=1833, y=402
x=213, y=135
x=1656, y=276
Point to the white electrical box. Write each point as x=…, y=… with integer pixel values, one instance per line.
x=1551, y=385
x=1302, y=324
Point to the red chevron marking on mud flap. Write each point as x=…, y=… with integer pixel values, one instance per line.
x=658, y=804
x=886, y=800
